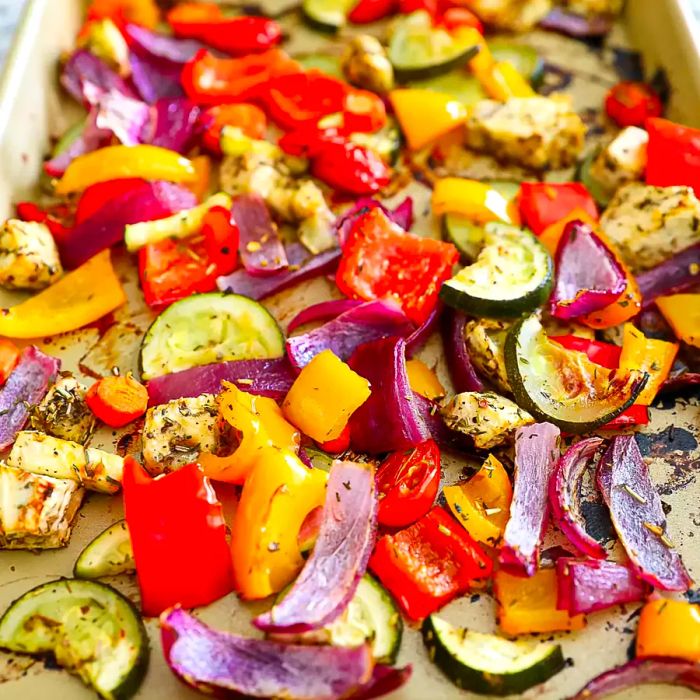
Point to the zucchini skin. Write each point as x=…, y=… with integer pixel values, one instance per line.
x=314, y=22
x=132, y=680
x=524, y=400
x=483, y=683
x=404, y=74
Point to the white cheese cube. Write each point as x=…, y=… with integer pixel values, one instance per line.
x=36, y=512
x=649, y=224
x=535, y=132
x=176, y=432
x=28, y=256
x=623, y=160
x=512, y=15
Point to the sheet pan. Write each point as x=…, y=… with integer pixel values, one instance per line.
x=33, y=111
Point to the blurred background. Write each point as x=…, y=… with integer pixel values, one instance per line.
x=9, y=14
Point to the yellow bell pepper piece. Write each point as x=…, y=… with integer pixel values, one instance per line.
x=655, y=357
x=78, y=298
x=483, y=62
x=503, y=81
x=423, y=380
x=324, y=396
x=115, y=162
x=682, y=312
x=482, y=504
x=276, y=498
x=425, y=115
x=669, y=628
x=528, y=605
x=476, y=200
x=260, y=422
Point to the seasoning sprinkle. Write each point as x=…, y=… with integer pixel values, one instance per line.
x=637, y=497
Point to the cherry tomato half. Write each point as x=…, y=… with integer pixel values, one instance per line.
x=407, y=484
x=629, y=103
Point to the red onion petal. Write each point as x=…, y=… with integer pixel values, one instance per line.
x=155, y=78
x=365, y=323
x=574, y=25
x=83, y=68
x=624, y=481
x=302, y=266
x=161, y=46
x=588, y=275
x=262, y=252
x=678, y=273
x=420, y=335
x=639, y=672
x=587, y=586
x=385, y=679
x=25, y=387
x=390, y=419
x=176, y=124
x=272, y=378
x=213, y=661
x=464, y=376
x=323, y=311
x=339, y=558
x=146, y=201
x=536, y=454
x=401, y=215
x=565, y=499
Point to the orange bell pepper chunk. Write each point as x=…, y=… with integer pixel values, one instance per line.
x=530, y=604
x=482, y=504
x=117, y=162
x=278, y=494
x=201, y=184
x=655, y=357
x=476, y=200
x=260, y=422
x=425, y=115
x=423, y=380
x=669, y=628
x=9, y=357
x=682, y=312
x=324, y=396
x=78, y=298
x=143, y=12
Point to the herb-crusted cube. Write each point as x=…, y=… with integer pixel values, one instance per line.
x=623, y=160
x=650, y=224
x=176, y=432
x=535, y=132
x=28, y=256
x=64, y=413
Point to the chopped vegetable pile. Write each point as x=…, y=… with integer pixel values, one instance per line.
x=256, y=232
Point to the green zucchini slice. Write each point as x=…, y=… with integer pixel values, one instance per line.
x=512, y=275
x=563, y=386
x=524, y=59
x=467, y=236
x=109, y=554
x=371, y=616
x=206, y=328
x=419, y=50
x=327, y=15
x=458, y=84
x=487, y=664
x=91, y=628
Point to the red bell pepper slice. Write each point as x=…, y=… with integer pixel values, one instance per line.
x=234, y=35
x=630, y=103
x=673, y=154
x=209, y=80
x=606, y=355
x=251, y=120
x=173, y=269
x=350, y=168
x=366, y=11
x=363, y=111
x=429, y=563
x=297, y=100
x=179, y=560
x=28, y=211
x=457, y=17
x=544, y=203
x=96, y=196
x=382, y=261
